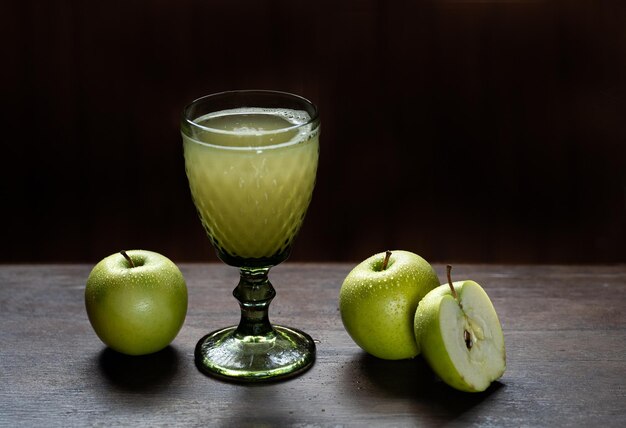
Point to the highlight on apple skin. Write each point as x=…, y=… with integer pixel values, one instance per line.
x=377, y=302
x=461, y=336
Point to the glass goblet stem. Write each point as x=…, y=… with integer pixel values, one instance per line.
x=254, y=293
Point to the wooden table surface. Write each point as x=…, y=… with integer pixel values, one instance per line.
x=564, y=327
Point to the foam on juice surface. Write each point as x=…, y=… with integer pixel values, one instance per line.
x=253, y=127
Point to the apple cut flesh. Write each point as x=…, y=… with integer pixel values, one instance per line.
x=461, y=338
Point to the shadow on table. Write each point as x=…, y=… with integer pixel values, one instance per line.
x=415, y=380
x=139, y=373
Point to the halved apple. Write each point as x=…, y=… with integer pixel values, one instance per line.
x=460, y=335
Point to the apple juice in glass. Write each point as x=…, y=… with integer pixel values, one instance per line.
x=251, y=160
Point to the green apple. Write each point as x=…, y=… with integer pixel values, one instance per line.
x=136, y=301
x=460, y=335
x=377, y=302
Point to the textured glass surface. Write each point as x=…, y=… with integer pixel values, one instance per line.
x=252, y=202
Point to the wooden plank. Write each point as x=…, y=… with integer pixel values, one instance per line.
x=565, y=333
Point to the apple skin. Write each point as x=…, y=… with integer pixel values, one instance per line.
x=378, y=306
x=136, y=310
x=440, y=322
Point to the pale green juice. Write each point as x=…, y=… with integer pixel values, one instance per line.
x=251, y=173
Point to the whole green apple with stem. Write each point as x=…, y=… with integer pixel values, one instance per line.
x=378, y=299
x=136, y=301
x=460, y=335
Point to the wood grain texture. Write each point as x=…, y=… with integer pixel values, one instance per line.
x=564, y=326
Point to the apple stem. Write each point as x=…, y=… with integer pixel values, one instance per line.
x=127, y=257
x=386, y=261
x=467, y=337
x=448, y=271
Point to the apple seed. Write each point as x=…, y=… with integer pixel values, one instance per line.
x=468, y=339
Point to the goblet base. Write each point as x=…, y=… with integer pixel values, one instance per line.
x=283, y=353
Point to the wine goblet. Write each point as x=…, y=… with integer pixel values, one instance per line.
x=251, y=160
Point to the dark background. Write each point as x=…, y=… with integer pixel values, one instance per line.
x=466, y=131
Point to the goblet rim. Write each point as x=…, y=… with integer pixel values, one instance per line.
x=313, y=121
